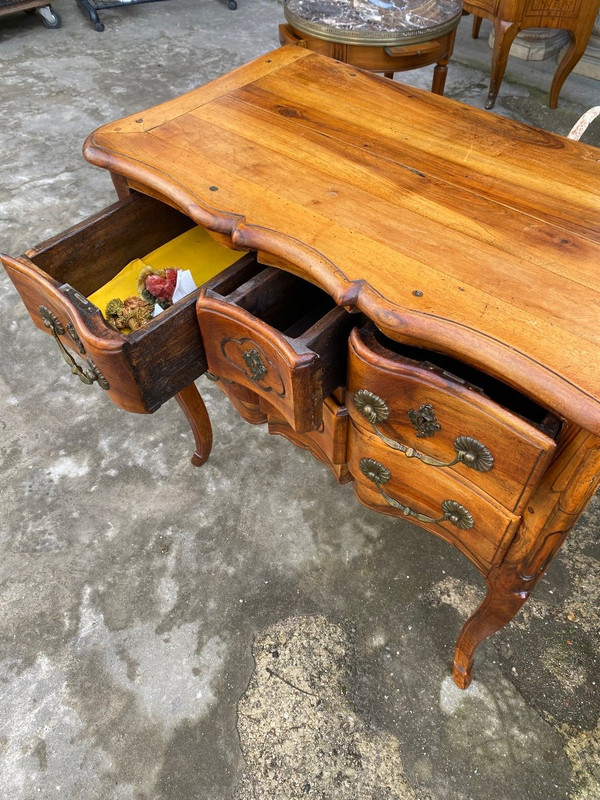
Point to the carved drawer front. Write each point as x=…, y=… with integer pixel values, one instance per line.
x=446, y=506
x=142, y=369
x=426, y=412
x=328, y=443
x=279, y=336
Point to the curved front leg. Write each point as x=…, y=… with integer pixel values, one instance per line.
x=192, y=405
x=506, y=593
x=504, y=36
x=573, y=53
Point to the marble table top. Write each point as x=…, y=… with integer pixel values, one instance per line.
x=373, y=21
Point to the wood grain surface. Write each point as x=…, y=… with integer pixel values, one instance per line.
x=451, y=228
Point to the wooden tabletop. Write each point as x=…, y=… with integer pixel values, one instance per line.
x=450, y=227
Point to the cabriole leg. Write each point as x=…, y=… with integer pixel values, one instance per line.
x=506, y=594
x=192, y=405
x=504, y=36
x=573, y=53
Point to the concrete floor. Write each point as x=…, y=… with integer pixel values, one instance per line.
x=244, y=630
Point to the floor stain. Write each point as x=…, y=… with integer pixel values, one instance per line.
x=300, y=736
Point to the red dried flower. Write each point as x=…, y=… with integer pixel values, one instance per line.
x=162, y=287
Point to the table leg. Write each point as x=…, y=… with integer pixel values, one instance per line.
x=504, y=35
x=192, y=405
x=440, y=71
x=476, y=27
x=552, y=512
x=573, y=53
x=506, y=593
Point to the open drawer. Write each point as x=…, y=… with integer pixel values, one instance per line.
x=281, y=337
x=142, y=369
x=449, y=418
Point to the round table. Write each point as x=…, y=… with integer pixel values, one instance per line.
x=378, y=35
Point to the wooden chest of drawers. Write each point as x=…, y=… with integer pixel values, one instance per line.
x=420, y=312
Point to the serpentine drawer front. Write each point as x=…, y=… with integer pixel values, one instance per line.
x=433, y=417
x=142, y=370
x=447, y=506
x=279, y=336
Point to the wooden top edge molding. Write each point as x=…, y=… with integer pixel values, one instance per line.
x=449, y=227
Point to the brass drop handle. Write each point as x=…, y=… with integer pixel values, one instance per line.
x=469, y=451
x=452, y=511
x=86, y=375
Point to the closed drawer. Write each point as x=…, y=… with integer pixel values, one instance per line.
x=143, y=369
x=448, y=417
x=328, y=443
x=447, y=507
x=279, y=336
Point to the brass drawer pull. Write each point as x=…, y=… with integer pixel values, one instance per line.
x=453, y=512
x=469, y=451
x=87, y=374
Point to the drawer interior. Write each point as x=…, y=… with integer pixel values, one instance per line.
x=102, y=258
x=468, y=376
x=194, y=251
x=287, y=303
x=91, y=253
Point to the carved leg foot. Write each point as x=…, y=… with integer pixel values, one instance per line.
x=192, y=405
x=505, y=595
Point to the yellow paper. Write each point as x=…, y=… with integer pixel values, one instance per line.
x=195, y=250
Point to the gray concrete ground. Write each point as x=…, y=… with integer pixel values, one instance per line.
x=244, y=630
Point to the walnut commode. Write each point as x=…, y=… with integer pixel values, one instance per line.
x=414, y=298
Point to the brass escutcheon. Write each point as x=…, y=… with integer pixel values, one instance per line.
x=423, y=420
x=254, y=363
